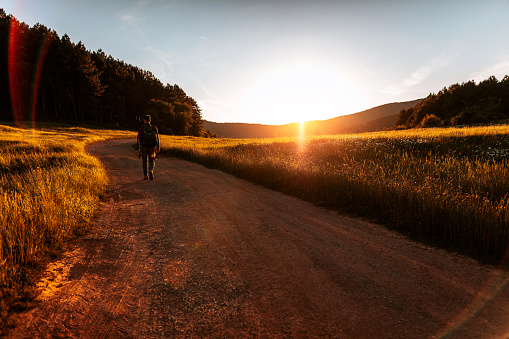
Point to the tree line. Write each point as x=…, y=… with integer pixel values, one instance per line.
x=460, y=104
x=47, y=78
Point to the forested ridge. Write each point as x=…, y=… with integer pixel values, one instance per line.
x=460, y=104
x=47, y=78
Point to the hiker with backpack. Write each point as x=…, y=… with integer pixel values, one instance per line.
x=148, y=146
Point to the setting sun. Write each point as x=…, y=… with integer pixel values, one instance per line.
x=302, y=90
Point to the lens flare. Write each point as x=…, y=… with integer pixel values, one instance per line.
x=15, y=69
x=23, y=82
x=176, y=273
x=302, y=135
x=498, y=281
x=43, y=51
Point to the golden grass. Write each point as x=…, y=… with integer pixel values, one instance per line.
x=448, y=186
x=49, y=192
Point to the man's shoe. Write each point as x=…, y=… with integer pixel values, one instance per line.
x=151, y=175
x=145, y=178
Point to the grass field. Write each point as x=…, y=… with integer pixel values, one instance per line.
x=448, y=187
x=49, y=192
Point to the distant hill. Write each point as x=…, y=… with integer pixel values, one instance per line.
x=374, y=119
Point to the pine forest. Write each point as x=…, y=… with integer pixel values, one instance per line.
x=47, y=78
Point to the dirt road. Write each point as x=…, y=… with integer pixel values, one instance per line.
x=199, y=253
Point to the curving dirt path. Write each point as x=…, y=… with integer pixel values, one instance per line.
x=199, y=253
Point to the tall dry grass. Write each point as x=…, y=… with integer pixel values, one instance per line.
x=49, y=192
x=444, y=186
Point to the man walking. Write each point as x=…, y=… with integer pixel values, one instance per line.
x=148, y=146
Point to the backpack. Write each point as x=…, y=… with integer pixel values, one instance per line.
x=149, y=138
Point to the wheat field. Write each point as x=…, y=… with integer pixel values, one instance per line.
x=445, y=186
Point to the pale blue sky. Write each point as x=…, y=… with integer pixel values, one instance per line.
x=280, y=61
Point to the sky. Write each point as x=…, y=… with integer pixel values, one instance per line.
x=282, y=61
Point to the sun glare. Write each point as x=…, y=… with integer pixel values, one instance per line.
x=299, y=91
x=302, y=134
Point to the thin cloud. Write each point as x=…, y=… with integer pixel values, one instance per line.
x=217, y=108
x=204, y=38
x=427, y=70
x=420, y=75
x=131, y=18
x=499, y=69
x=162, y=62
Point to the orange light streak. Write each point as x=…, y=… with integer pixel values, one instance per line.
x=38, y=71
x=15, y=69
